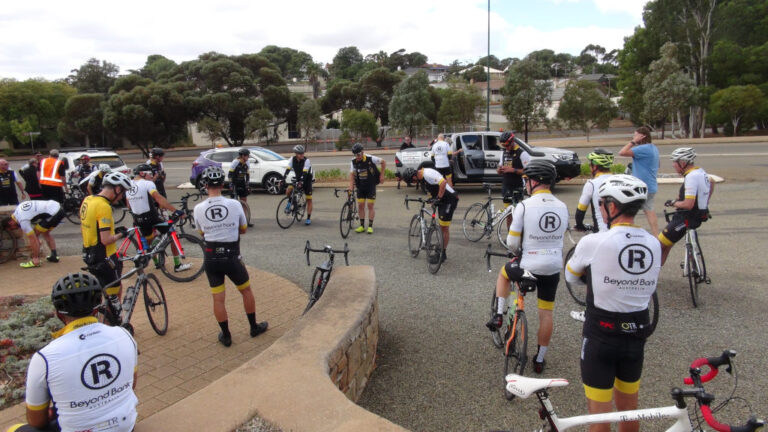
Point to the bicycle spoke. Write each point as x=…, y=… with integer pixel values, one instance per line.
x=476, y=222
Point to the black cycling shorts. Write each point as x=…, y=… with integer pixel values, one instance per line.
x=445, y=210
x=446, y=172
x=223, y=260
x=107, y=272
x=146, y=224
x=610, y=361
x=239, y=190
x=546, y=285
x=366, y=191
x=675, y=229
x=508, y=191
x=48, y=222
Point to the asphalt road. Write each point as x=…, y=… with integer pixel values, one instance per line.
x=437, y=369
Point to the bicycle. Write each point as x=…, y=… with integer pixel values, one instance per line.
x=8, y=244
x=513, y=333
x=348, y=211
x=579, y=291
x=685, y=421
x=322, y=272
x=72, y=201
x=426, y=236
x=188, y=247
x=480, y=219
x=288, y=214
x=693, y=265
x=153, y=294
x=184, y=206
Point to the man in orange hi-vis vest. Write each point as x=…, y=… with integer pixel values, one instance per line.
x=52, y=175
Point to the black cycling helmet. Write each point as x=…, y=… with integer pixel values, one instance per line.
x=357, y=148
x=142, y=167
x=157, y=151
x=244, y=152
x=213, y=176
x=408, y=174
x=541, y=170
x=506, y=137
x=76, y=295
x=428, y=164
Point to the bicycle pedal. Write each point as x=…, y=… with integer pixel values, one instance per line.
x=707, y=281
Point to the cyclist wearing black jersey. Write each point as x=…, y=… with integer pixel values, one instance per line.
x=302, y=169
x=621, y=269
x=220, y=221
x=364, y=174
x=155, y=160
x=513, y=160
x=240, y=177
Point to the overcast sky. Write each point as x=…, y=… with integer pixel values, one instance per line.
x=43, y=38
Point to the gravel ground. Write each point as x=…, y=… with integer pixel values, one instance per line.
x=437, y=369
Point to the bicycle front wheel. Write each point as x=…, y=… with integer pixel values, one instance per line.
x=118, y=213
x=186, y=268
x=247, y=211
x=301, y=207
x=498, y=335
x=516, y=355
x=71, y=207
x=414, y=236
x=577, y=291
x=476, y=219
x=502, y=230
x=154, y=303
x=692, y=274
x=284, y=215
x=346, y=218
x=434, y=248
x=7, y=245
x=319, y=280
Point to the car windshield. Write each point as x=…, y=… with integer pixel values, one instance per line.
x=266, y=155
x=112, y=161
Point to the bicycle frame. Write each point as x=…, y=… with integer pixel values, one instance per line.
x=511, y=315
x=691, y=244
x=162, y=241
x=422, y=218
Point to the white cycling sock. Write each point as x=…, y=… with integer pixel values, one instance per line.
x=542, y=351
x=501, y=305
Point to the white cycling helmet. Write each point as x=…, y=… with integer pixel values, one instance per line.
x=213, y=176
x=104, y=168
x=117, y=178
x=685, y=154
x=623, y=188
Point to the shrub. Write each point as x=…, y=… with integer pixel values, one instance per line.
x=615, y=169
x=333, y=124
x=331, y=174
x=343, y=141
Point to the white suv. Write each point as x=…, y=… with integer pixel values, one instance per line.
x=97, y=157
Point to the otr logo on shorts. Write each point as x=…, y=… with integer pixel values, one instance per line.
x=636, y=259
x=216, y=213
x=100, y=371
x=549, y=222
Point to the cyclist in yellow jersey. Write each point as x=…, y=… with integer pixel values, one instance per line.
x=100, y=235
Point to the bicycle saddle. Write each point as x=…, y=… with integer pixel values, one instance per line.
x=523, y=387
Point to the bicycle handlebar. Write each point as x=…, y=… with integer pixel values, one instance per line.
x=752, y=424
x=713, y=363
x=329, y=250
x=430, y=201
x=489, y=252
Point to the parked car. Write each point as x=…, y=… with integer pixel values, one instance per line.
x=98, y=157
x=265, y=166
x=482, y=155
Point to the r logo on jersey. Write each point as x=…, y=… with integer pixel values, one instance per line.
x=216, y=213
x=549, y=222
x=636, y=259
x=133, y=190
x=100, y=371
x=26, y=206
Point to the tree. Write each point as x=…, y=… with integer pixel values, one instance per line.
x=309, y=118
x=93, y=76
x=527, y=95
x=83, y=119
x=476, y=74
x=346, y=63
x=737, y=103
x=156, y=67
x=584, y=107
x=668, y=89
x=459, y=107
x=411, y=106
x=494, y=62
x=35, y=102
x=290, y=62
x=316, y=73
x=359, y=124
x=635, y=58
x=376, y=89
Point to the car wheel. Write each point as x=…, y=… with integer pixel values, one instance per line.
x=198, y=184
x=271, y=183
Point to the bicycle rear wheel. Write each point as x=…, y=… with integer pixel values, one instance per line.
x=319, y=281
x=154, y=303
x=7, y=245
x=434, y=248
x=498, y=335
x=71, y=207
x=118, y=213
x=516, y=349
x=692, y=274
x=247, y=211
x=346, y=218
x=193, y=256
x=414, y=236
x=475, y=222
x=577, y=291
x=284, y=216
x=502, y=230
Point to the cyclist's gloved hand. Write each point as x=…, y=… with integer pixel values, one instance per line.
x=123, y=231
x=669, y=203
x=177, y=214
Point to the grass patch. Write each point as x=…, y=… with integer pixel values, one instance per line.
x=336, y=174
x=615, y=169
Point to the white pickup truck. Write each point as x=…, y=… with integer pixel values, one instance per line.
x=481, y=156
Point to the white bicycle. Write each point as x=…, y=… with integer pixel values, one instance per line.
x=685, y=421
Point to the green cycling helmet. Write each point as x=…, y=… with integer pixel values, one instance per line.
x=601, y=157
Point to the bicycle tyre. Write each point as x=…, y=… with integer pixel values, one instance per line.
x=703, y=266
x=300, y=209
x=247, y=211
x=193, y=250
x=345, y=219
x=653, y=310
x=72, y=209
x=118, y=213
x=516, y=355
x=578, y=291
x=8, y=245
x=498, y=336
x=155, y=304
x=414, y=236
x=284, y=219
x=316, y=289
x=434, y=248
x=475, y=222
x=502, y=230
x=691, y=274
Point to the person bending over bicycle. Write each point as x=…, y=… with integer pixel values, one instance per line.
x=302, y=169
x=364, y=174
x=513, y=160
x=37, y=218
x=240, y=177
x=692, y=202
x=99, y=234
x=536, y=235
x=144, y=202
x=621, y=269
x=446, y=196
x=220, y=221
x=84, y=361
x=600, y=162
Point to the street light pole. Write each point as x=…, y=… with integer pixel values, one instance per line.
x=488, y=75
x=31, y=136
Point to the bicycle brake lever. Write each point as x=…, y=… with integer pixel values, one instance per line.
x=306, y=251
x=406, y=203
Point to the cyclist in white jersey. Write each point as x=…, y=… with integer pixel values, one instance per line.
x=37, y=218
x=692, y=203
x=84, y=379
x=600, y=162
x=220, y=221
x=621, y=269
x=536, y=236
x=441, y=153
